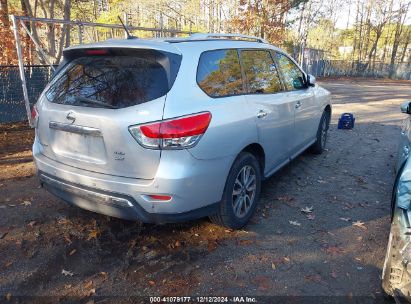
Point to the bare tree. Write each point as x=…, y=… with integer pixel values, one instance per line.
x=401, y=17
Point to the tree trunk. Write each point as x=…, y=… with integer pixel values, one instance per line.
x=406, y=44
x=65, y=32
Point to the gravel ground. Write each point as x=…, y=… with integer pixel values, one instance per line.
x=335, y=248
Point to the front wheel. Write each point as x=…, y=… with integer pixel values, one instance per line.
x=241, y=193
x=319, y=146
x=396, y=279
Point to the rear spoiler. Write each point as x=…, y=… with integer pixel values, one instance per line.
x=161, y=46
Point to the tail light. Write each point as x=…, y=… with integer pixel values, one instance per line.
x=178, y=133
x=34, y=114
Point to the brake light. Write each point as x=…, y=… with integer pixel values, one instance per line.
x=96, y=52
x=178, y=133
x=34, y=114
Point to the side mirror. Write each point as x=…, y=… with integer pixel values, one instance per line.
x=405, y=107
x=311, y=80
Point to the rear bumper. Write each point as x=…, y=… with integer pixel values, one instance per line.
x=114, y=204
x=195, y=186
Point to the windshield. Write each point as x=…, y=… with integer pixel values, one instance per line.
x=117, y=79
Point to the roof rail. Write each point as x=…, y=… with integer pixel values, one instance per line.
x=200, y=36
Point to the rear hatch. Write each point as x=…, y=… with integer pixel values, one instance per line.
x=97, y=93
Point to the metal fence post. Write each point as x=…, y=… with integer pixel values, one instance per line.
x=37, y=45
x=21, y=69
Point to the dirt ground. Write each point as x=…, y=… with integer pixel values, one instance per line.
x=52, y=252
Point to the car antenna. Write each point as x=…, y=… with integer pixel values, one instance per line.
x=126, y=30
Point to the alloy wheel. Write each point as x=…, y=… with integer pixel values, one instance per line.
x=244, y=191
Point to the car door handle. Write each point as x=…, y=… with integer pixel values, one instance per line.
x=298, y=104
x=261, y=114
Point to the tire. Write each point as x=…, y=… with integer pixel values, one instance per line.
x=395, y=277
x=319, y=146
x=239, y=202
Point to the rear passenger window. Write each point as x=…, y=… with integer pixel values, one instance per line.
x=219, y=73
x=260, y=71
x=293, y=77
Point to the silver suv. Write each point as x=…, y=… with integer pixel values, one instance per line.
x=175, y=129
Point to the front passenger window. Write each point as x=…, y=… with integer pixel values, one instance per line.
x=261, y=72
x=293, y=77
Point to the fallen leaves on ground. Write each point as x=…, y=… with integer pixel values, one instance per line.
x=67, y=273
x=311, y=216
x=334, y=250
x=289, y=200
x=88, y=285
x=8, y=296
x=333, y=274
x=63, y=221
x=212, y=245
x=31, y=224
x=104, y=275
x=313, y=278
x=345, y=219
x=245, y=242
x=285, y=198
x=152, y=283
x=307, y=209
x=8, y=264
x=178, y=285
x=26, y=203
x=92, y=234
x=295, y=223
x=72, y=252
x=91, y=292
x=286, y=259
x=359, y=224
x=264, y=282
x=348, y=206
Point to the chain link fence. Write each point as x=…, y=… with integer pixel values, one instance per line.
x=344, y=68
x=12, y=108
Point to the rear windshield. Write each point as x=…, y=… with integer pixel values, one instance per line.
x=115, y=78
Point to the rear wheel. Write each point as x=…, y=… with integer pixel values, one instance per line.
x=241, y=193
x=395, y=277
x=319, y=146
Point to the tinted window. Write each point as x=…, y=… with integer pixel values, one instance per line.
x=293, y=77
x=219, y=73
x=260, y=71
x=115, y=80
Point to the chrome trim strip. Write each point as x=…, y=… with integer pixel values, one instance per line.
x=75, y=129
x=103, y=198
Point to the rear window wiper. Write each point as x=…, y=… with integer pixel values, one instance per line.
x=93, y=101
